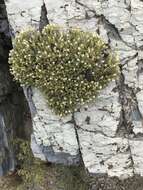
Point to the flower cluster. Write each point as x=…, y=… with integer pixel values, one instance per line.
x=69, y=66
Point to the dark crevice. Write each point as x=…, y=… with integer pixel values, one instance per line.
x=140, y=67
x=126, y=60
x=76, y=127
x=93, y=131
x=15, y=119
x=125, y=127
x=43, y=18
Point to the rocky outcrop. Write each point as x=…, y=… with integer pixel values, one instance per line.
x=53, y=138
x=108, y=133
x=14, y=118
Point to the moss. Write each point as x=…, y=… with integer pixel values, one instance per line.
x=33, y=174
x=56, y=177
x=72, y=178
x=30, y=170
x=69, y=66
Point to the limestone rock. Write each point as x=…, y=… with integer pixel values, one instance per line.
x=53, y=135
x=23, y=14
x=109, y=132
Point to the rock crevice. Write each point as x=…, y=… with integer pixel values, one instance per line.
x=14, y=118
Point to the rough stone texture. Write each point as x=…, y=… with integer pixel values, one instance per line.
x=53, y=139
x=13, y=106
x=103, y=151
x=110, y=131
x=23, y=14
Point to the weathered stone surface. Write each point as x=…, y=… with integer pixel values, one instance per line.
x=23, y=14
x=101, y=148
x=110, y=130
x=102, y=154
x=121, y=22
x=103, y=115
x=55, y=136
x=137, y=155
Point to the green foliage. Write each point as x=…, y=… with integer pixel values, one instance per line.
x=57, y=177
x=31, y=170
x=69, y=66
x=34, y=174
x=72, y=178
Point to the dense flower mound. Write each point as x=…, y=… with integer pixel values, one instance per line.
x=69, y=66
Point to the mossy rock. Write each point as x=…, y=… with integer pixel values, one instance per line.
x=69, y=66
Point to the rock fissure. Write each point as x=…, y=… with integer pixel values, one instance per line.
x=125, y=120
x=77, y=137
x=92, y=131
x=14, y=122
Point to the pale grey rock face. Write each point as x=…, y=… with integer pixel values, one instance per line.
x=53, y=138
x=110, y=131
x=23, y=14
x=103, y=115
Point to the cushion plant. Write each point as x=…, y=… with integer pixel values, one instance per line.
x=69, y=66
